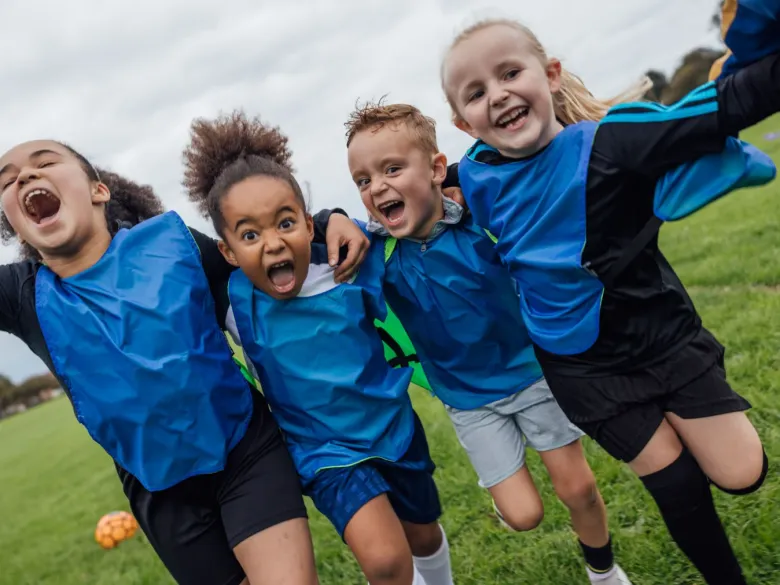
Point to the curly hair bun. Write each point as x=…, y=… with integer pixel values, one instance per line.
x=216, y=144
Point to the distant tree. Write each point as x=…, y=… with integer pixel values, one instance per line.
x=7, y=389
x=660, y=82
x=692, y=72
x=27, y=392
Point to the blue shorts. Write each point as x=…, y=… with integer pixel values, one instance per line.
x=339, y=493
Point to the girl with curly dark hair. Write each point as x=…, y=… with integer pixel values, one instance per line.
x=346, y=415
x=127, y=321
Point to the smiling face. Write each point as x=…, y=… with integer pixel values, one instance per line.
x=399, y=182
x=501, y=90
x=267, y=234
x=48, y=198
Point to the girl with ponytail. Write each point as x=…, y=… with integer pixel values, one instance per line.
x=575, y=189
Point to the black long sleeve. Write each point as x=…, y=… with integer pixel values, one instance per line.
x=649, y=140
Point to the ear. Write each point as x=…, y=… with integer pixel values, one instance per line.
x=100, y=193
x=439, y=162
x=464, y=126
x=227, y=253
x=310, y=227
x=554, y=73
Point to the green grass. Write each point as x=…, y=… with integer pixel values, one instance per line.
x=55, y=483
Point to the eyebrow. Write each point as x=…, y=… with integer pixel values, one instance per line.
x=243, y=220
x=34, y=155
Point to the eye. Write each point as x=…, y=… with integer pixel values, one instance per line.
x=45, y=164
x=392, y=169
x=286, y=224
x=361, y=183
x=512, y=73
x=475, y=95
x=8, y=183
x=249, y=236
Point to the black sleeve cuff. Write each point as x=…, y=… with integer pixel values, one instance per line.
x=321, y=219
x=452, y=179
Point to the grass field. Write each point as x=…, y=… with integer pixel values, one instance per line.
x=55, y=483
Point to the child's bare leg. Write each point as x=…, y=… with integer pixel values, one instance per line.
x=424, y=539
x=280, y=555
x=575, y=486
x=430, y=551
x=518, y=501
x=727, y=448
x=379, y=543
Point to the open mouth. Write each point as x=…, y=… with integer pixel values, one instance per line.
x=393, y=211
x=282, y=276
x=41, y=205
x=514, y=118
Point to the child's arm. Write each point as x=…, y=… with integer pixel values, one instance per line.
x=649, y=139
x=12, y=281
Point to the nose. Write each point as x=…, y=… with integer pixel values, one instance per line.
x=28, y=174
x=498, y=95
x=378, y=186
x=272, y=243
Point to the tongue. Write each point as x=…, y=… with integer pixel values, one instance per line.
x=44, y=207
x=395, y=212
x=281, y=276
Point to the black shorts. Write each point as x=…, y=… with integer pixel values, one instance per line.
x=194, y=526
x=622, y=412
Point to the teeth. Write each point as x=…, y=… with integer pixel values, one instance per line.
x=511, y=115
x=387, y=204
x=279, y=264
x=28, y=199
x=34, y=192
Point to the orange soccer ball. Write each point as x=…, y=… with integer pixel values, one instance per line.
x=115, y=527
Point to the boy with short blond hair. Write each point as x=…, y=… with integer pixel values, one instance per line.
x=448, y=287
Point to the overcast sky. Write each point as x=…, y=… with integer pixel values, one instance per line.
x=121, y=84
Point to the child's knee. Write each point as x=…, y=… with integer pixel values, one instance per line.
x=578, y=493
x=521, y=518
x=424, y=539
x=747, y=479
x=387, y=564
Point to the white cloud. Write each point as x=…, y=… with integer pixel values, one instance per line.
x=121, y=83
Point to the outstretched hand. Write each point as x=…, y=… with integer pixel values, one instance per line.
x=341, y=232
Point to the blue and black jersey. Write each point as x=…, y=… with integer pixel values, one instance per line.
x=566, y=216
x=136, y=342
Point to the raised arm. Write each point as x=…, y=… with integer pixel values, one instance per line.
x=650, y=139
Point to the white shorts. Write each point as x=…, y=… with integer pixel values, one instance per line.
x=495, y=435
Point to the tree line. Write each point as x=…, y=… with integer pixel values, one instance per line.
x=29, y=393
x=693, y=71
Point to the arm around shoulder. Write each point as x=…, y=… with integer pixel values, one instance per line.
x=16, y=281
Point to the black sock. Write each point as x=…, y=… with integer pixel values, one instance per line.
x=599, y=560
x=683, y=496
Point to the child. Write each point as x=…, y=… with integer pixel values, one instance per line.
x=573, y=204
x=456, y=300
x=125, y=319
x=358, y=445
